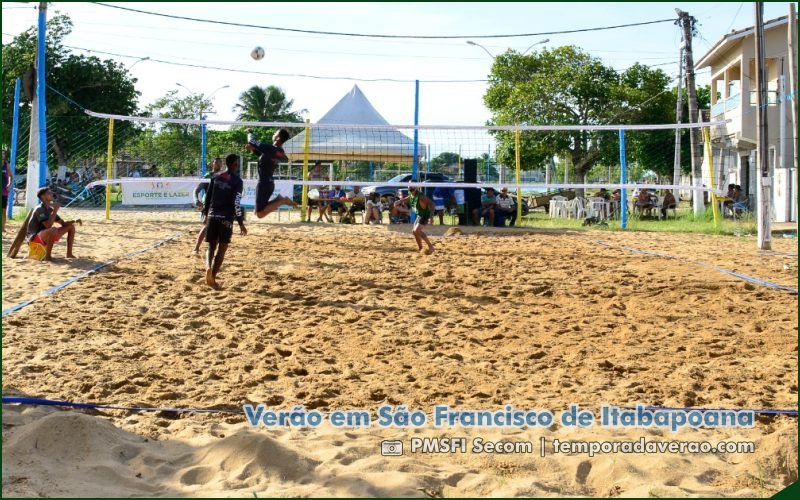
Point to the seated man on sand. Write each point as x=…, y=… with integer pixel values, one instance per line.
x=42, y=228
x=374, y=210
x=400, y=211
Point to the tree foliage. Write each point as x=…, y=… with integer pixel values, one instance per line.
x=568, y=86
x=95, y=84
x=266, y=104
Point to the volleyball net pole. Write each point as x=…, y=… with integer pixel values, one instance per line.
x=109, y=164
x=710, y=160
x=306, y=153
x=623, y=180
x=518, y=169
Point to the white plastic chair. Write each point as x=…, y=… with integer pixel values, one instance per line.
x=581, y=210
x=558, y=206
x=597, y=208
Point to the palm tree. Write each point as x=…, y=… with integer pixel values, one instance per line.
x=259, y=104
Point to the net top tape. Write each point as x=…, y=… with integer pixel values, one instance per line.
x=497, y=128
x=403, y=185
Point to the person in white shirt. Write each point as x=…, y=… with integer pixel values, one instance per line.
x=506, y=207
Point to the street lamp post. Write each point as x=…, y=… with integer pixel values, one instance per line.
x=137, y=62
x=540, y=42
x=470, y=42
x=203, y=135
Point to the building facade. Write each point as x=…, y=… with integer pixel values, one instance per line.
x=733, y=97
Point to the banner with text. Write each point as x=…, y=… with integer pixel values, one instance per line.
x=180, y=192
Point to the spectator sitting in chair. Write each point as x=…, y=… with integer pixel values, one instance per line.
x=603, y=193
x=739, y=203
x=506, y=207
x=357, y=200
x=374, y=209
x=644, y=202
x=667, y=203
x=42, y=227
x=336, y=195
x=400, y=211
x=488, y=206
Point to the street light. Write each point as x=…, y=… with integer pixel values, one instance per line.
x=470, y=42
x=201, y=95
x=535, y=44
x=137, y=62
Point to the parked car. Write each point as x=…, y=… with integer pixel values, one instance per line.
x=390, y=192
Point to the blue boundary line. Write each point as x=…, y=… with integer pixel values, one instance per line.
x=90, y=271
x=92, y=406
x=745, y=277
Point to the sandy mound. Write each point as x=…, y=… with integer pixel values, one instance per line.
x=57, y=453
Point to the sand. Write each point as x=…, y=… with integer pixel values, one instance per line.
x=351, y=317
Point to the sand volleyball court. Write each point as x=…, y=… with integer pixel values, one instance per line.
x=351, y=317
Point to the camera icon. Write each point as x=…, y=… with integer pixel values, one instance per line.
x=391, y=448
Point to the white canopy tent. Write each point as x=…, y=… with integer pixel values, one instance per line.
x=373, y=140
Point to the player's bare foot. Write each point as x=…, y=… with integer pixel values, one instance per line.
x=289, y=201
x=71, y=256
x=210, y=281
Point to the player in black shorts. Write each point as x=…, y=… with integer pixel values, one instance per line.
x=222, y=205
x=271, y=155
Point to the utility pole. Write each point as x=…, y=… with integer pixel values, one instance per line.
x=676, y=170
x=793, y=85
x=37, y=143
x=764, y=180
x=687, y=23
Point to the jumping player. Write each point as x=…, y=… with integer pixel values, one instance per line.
x=423, y=206
x=271, y=155
x=222, y=205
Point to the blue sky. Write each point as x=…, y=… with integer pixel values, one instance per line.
x=106, y=29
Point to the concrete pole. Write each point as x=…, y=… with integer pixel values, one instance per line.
x=676, y=169
x=792, y=34
x=764, y=180
x=687, y=22
x=37, y=143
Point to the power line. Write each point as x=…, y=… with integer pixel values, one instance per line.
x=372, y=35
x=297, y=75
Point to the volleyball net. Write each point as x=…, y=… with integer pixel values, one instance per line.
x=153, y=160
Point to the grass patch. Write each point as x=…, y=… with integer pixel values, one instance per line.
x=684, y=223
x=20, y=213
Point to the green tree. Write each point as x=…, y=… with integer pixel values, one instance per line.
x=568, y=86
x=646, y=99
x=266, y=104
x=98, y=85
x=173, y=147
